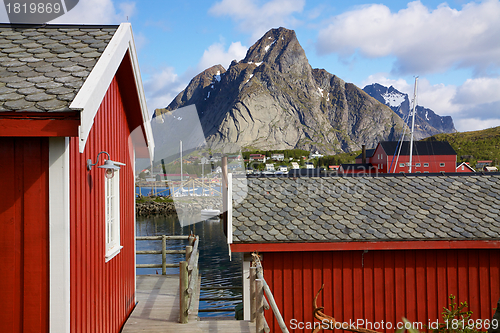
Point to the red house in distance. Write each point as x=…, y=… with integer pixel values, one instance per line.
x=428, y=157
x=72, y=103
x=464, y=167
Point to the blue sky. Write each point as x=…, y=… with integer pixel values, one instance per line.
x=453, y=47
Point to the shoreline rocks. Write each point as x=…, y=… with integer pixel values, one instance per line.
x=153, y=208
x=187, y=205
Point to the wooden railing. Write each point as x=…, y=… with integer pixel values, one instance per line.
x=164, y=251
x=188, y=282
x=258, y=303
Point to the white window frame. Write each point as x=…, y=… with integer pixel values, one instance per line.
x=426, y=165
x=441, y=165
x=112, y=215
x=402, y=165
x=417, y=164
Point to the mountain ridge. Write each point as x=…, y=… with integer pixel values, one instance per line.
x=273, y=99
x=427, y=122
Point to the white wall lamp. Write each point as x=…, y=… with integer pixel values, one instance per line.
x=109, y=165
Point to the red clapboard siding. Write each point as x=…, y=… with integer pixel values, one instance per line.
x=24, y=232
x=382, y=285
x=102, y=294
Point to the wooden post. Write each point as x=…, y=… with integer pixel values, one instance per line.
x=189, y=249
x=183, y=295
x=164, y=255
x=259, y=306
x=252, y=293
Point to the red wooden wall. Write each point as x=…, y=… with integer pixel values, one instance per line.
x=102, y=294
x=382, y=285
x=24, y=233
x=434, y=160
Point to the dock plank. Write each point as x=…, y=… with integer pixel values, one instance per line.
x=157, y=310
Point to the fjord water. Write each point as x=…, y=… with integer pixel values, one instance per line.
x=215, y=266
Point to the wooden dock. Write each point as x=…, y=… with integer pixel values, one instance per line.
x=157, y=310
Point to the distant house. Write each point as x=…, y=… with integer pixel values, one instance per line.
x=316, y=154
x=309, y=165
x=278, y=157
x=295, y=166
x=481, y=164
x=270, y=167
x=490, y=169
x=257, y=157
x=73, y=104
x=428, y=157
x=384, y=247
x=464, y=167
x=283, y=168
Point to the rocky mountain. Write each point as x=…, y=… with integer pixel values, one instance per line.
x=427, y=122
x=273, y=99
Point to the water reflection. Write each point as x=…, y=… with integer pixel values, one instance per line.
x=215, y=266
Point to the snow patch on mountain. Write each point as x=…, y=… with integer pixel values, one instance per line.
x=217, y=76
x=393, y=99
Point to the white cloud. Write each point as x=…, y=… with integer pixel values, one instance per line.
x=216, y=54
x=479, y=91
x=438, y=97
x=97, y=12
x=475, y=124
x=381, y=78
x=422, y=40
x=255, y=19
x=162, y=87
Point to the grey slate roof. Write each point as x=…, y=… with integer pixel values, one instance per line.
x=419, y=148
x=43, y=67
x=391, y=208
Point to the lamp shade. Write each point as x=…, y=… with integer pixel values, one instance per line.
x=108, y=164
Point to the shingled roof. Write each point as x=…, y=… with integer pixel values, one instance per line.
x=419, y=148
x=369, y=153
x=42, y=67
x=390, y=208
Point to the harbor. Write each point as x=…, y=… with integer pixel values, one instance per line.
x=215, y=267
x=184, y=285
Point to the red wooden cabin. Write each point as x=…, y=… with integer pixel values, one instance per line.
x=428, y=157
x=464, y=167
x=67, y=242
x=384, y=247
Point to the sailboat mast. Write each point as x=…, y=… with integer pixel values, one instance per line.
x=180, y=149
x=413, y=123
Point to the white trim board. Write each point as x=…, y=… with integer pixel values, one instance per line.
x=94, y=88
x=59, y=236
x=246, y=289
